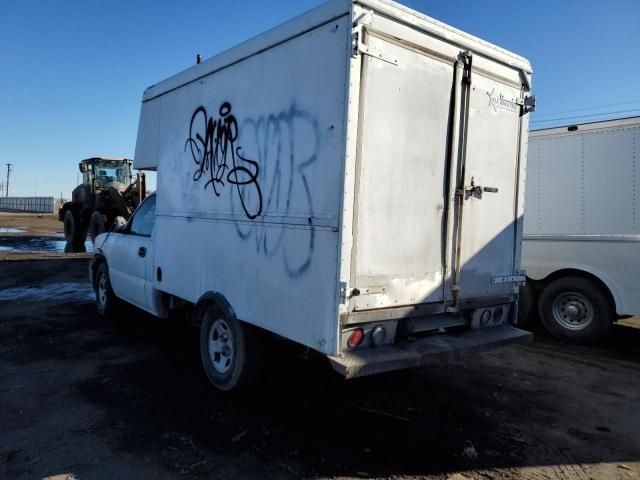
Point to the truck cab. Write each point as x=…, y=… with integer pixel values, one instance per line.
x=127, y=256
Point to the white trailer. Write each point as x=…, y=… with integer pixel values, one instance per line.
x=582, y=231
x=351, y=180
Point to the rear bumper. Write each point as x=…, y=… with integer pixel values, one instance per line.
x=432, y=349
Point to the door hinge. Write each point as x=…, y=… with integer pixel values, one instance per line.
x=467, y=61
x=343, y=292
x=527, y=103
x=359, y=47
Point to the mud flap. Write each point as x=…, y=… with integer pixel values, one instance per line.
x=432, y=349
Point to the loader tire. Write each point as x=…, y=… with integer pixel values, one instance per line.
x=231, y=350
x=97, y=225
x=73, y=233
x=576, y=310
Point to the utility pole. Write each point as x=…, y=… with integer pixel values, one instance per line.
x=9, y=165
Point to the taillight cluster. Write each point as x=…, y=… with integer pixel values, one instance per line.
x=376, y=336
x=356, y=338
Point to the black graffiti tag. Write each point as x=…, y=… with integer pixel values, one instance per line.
x=213, y=147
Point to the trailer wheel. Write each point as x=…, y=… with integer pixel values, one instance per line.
x=106, y=300
x=97, y=225
x=230, y=350
x=526, y=305
x=73, y=233
x=576, y=309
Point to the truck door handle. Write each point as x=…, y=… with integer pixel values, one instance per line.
x=142, y=252
x=476, y=191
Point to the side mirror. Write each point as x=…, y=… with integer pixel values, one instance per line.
x=82, y=167
x=119, y=224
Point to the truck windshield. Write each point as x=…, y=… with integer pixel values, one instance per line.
x=112, y=174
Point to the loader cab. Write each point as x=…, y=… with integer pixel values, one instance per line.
x=101, y=173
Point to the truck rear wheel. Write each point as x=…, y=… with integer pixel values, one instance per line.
x=576, y=309
x=230, y=350
x=97, y=225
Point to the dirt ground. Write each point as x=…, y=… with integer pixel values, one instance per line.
x=84, y=398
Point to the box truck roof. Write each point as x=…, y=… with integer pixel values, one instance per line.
x=584, y=127
x=327, y=13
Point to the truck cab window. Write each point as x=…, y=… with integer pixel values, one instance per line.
x=144, y=219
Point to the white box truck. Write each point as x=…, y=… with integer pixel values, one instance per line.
x=351, y=180
x=581, y=248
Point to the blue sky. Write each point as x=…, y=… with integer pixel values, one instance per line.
x=73, y=71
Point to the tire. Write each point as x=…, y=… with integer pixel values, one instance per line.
x=230, y=350
x=73, y=233
x=70, y=226
x=526, y=306
x=576, y=310
x=97, y=225
x=106, y=301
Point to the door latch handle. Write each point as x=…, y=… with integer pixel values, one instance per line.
x=476, y=191
x=142, y=252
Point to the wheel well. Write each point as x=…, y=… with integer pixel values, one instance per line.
x=212, y=299
x=538, y=285
x=99, y=260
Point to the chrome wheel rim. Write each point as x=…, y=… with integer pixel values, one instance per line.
x=572, y=311
x=221, y=346
x=102, y=290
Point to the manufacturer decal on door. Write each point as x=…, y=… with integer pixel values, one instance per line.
x=498, y=102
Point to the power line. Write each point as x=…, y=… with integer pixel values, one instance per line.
x=574, y=117
x=590, y=108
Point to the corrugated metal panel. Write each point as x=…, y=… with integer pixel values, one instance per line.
x=27, y=204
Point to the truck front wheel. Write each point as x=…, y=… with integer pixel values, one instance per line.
x=576, y=309
x=230, y=350
x=106, y=300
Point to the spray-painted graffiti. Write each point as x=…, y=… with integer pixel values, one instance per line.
x=285, y=145
x=212, y=144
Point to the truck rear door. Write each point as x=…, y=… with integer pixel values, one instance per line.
x=399, y=248
x=438, y=167
x=486, y=216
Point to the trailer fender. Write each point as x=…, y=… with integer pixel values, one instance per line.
x=548, y=272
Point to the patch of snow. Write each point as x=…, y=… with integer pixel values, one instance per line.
x=69, y=291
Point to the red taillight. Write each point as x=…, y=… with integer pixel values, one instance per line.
x=356, y=337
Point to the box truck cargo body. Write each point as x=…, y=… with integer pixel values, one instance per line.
x=582, y=231
x=349, y=180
